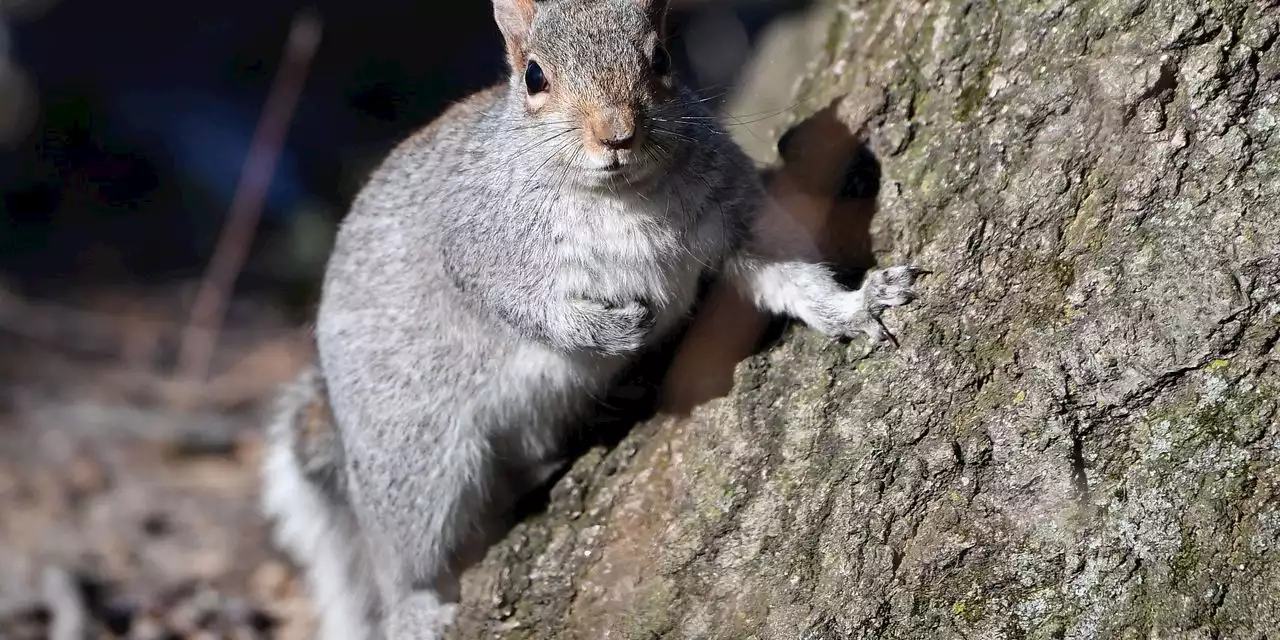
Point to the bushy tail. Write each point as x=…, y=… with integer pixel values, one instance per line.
x=304, y=493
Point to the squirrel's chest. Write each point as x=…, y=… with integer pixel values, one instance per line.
x=619, y=254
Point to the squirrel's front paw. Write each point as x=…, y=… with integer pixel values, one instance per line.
x=891, y=287
x=614, y=329
x=859, y=311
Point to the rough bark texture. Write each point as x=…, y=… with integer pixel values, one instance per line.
x=1078, y=435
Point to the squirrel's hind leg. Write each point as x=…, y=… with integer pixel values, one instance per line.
x=427, y=510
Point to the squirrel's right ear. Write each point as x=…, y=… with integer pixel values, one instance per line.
x=515, y=19
x=657, y=12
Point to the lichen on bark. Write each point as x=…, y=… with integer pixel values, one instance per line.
x=1077, y=437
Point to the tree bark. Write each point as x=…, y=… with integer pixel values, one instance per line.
x=1077, y=437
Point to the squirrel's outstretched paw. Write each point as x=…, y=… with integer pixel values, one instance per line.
x=881, y=289
x=890, y=287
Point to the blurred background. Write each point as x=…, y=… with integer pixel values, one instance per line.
x=153, y=290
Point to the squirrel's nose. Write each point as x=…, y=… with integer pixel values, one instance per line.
x=616, y=129
x=620, y=140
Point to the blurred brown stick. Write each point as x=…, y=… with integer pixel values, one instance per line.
x=201, y=333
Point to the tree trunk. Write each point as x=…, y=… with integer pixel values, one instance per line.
x=1077, y=437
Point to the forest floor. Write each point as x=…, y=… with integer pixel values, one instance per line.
x=129, y=500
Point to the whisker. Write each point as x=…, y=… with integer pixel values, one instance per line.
x=536, y=144
x=688, y=140
x=663, y=131
x=559, y=177
x=537, y=124
x=568, y=168
x=712, y=97
x=551, y=156
x=708, y=126
x=739, y=118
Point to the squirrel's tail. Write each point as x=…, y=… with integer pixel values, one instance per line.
x=304, y=494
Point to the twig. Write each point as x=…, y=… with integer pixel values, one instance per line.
x=201, y=334
x=82, y=331
x=67, y=327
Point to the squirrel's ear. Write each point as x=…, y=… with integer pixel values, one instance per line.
x=657, y=11
x=514, y=18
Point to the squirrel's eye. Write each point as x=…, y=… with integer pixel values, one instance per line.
x=534, y=80
x=661, y=61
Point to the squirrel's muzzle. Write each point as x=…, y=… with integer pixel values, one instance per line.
x=612, y=128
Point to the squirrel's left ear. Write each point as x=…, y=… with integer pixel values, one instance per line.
x=515, y=19
x=657, y=12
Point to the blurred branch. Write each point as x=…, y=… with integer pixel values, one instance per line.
x=84, y=331
x=201, y=335
x=17, y=92
x=259, y=361
x=71, y=328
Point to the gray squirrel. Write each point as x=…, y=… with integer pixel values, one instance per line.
x=492, y=278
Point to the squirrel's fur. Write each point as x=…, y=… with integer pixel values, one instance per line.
x=490, y=280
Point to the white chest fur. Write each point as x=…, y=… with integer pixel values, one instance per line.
x=618, y=250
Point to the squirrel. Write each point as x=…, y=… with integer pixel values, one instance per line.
x=493, y=276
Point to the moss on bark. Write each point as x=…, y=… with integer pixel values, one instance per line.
x=1078, y=436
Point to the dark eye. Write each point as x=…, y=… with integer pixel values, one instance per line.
x=534, y=80
x=661, y=61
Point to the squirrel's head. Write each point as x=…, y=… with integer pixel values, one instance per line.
x=595, y=81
